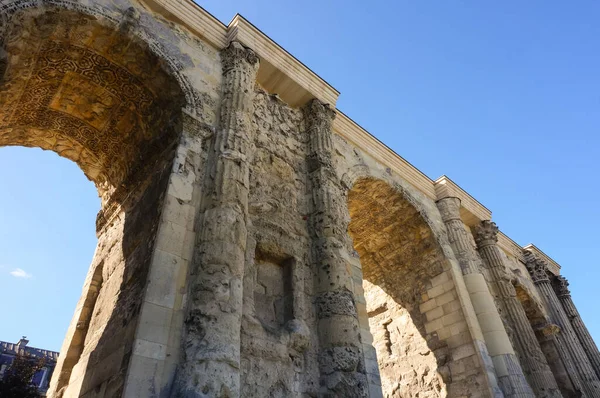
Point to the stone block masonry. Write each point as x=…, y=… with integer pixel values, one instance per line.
x=253, y=241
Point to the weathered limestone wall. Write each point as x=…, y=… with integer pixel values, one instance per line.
x=124, y=254
x=278, y=349
x=245, y=249
x=157, y=347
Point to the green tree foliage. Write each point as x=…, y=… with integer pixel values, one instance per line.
x=16, y=382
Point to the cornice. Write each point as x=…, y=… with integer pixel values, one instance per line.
x=194, y=18
x=279, y=73
x=352, y=132
x=301, y=85
x=472, y=212
x=510, y=247
x=553, y=266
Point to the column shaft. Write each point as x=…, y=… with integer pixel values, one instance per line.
x=211, y=346
x=565, y=359
x=586, y=340
x=531, y=357
x=589, y=381
x=340, y=352
x=511, y=379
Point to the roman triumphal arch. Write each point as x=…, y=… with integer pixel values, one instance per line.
x=253, y=240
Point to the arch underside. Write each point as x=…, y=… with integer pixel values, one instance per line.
x=399, y=257
x=75, y=85
x=93, y=92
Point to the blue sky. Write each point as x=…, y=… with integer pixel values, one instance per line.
x=503, y=97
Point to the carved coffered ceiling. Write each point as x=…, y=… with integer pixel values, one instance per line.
x=89, y=91
x=395, y=244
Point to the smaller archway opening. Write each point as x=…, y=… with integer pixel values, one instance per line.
x=545, y=332
x=401, y=261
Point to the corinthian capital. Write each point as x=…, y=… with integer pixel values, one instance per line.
x=538, y=269
x=486, y=233
x=236, y=55
x=319, y=116
x=561, y=286
x=449, y=208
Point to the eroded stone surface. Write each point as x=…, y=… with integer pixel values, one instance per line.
x=245, y=249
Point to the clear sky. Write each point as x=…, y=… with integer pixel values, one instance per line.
x=503, y=97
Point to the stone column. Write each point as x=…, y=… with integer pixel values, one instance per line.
x=590, y=384
x=531, y=357
x=561, y=287
x=508, y=370
x=341, y=359
x=211, y=359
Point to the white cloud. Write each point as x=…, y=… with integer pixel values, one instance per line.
x=19, y=273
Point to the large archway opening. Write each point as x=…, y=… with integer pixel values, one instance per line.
x=402, y=266
x=47, y=239
x=90, y=90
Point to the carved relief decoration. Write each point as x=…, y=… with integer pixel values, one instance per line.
x=561, y=286
x=486, y=233
x=102, y=100
x=538, y=269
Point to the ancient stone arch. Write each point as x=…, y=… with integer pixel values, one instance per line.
x=420, y=326
x=401, y=261
x=253, y=240
x=84, y=85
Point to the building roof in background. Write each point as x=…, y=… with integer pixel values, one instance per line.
x=22, y=348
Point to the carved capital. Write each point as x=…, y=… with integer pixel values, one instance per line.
x=236, y=55
x=449, y=208
x=319, y=116
x=561, y=286
x=486, y=233
x=538, y=269
x=319, y=119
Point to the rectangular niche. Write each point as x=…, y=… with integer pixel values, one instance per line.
x=273, y=291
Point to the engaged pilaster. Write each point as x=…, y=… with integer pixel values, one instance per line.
x=508, y=370
x=531, y=357
x=340, y=353
x=561, y=287
x=211, y=363
x=578, y=361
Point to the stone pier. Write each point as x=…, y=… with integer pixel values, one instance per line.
x=532, y=358
x=341, y=360
x=508, y=370
x=590, y=384
x=561, y=286
x=211, y=365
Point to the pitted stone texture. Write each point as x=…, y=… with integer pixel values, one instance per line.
x=211, y=361
x=276, y=299
x=328, y=223
x=279, y=346
x=335, y=303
